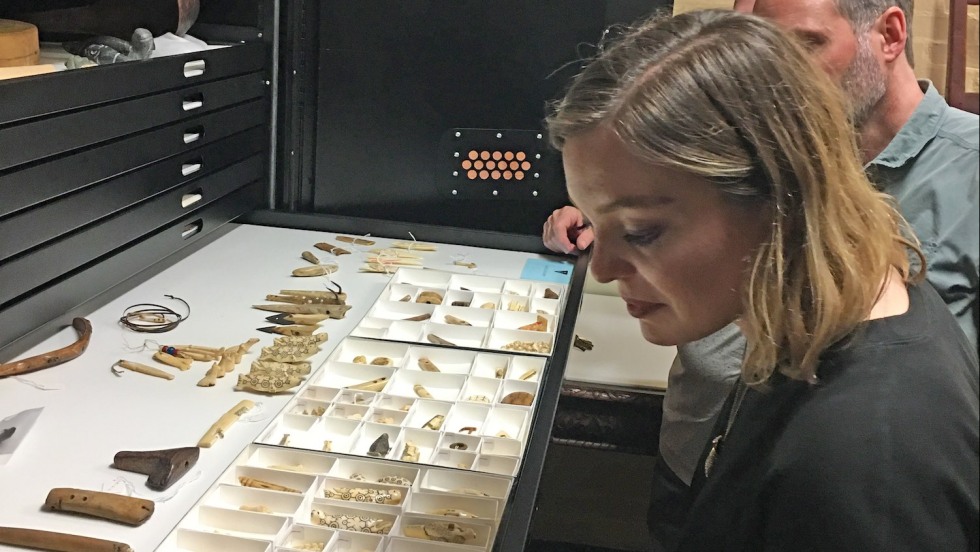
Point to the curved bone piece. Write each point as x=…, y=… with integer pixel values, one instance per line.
x=314, y=339
x=53, y=358
x=427, y=365
x=434, y=422
x=144, y=369
x=115, y=507
x=374, y=496
x=520, y=398
x=309, y=257
x=450, y=319
x=372, y=385
x=164, y=467
x=550, y=293
x=421, y=391
x=259, y=484
x=218, y=429
x=442, y=531
x=433, y=338
x=60, y=542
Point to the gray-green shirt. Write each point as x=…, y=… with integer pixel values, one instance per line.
x=932, y=168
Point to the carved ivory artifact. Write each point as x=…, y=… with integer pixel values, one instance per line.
x=427, y=365
x=225, y=422
x=259, y=484
x=58, y=542
x=144, y=369
x=351, y=523
x=114, y=507
x=375, y=496
x=267, y=383
x=53, y=358
x=442, y=531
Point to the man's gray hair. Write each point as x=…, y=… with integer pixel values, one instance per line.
x=862, y=13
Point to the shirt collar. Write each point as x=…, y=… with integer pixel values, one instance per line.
x=916, y=132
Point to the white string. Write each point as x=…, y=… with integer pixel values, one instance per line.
x=256, y=414
x=36, y=385
x=129, y=489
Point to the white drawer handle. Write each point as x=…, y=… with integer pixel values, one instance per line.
x=191, y=229
x=190, y=199
x=194, y=68
x=191, y=105
x=191, y=137
x=189, y=168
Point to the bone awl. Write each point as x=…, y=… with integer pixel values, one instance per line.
x=164, y=467
x=58, y=542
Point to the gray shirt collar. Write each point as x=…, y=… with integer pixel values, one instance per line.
x=917, y=131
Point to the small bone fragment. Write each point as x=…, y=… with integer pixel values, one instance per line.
x=520, y=398
x=327, y=446
x=315, y=270
x=499, y=373
x=192, y=354
x=550, y=293
x=461, y=303
x=488, y=305
x=380, y=447
x=210, y=378
x=421, y=391
x=115, y=507
x=469, y=430
x=540, y=325
x=450, y=319
x=260, y=508
x=218, y=429
x=182, y=364
x=308, y=256
x=411, y=452
x=144, y=369
x=433, y=338
x=429, y=298
x=464, y=263
x=259, y=484
x=334, y=311
x=453, y=512
x=164, y=467
x=427, y=365
x=470, y=492
x=503, y=435
x=458, y=446
x=59, y=542
x=517, y=306
x=376, y=384
x=297, y=299
x=478, y=398
x=299, y=468
x=357, y=477
x=309, y=546
x=226, y=364
x=360, y=359
x=381, y=361
x=285, y=440
x=285, y=368
x=213, y=351
x=406, y=299
x=373, y=496
x=419, y=318
x=441, y=531
x=528, y=346
x=582, y=344
x=434, y=423
x=355, y=241
x=308, y=319
x=528, y=375
x=388, y=420
x=332, y=249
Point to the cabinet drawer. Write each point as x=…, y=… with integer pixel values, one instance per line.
x=58, y=259
x=68, y=90
x=38, y=139
x=36, y=184
x=56, y=218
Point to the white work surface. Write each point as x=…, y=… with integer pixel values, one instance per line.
x=620, y=356
x=90, y=414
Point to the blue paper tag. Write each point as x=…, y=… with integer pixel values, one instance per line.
x=549, y=271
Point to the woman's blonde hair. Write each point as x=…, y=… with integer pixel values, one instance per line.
x=732, y=99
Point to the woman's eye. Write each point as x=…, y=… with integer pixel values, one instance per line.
x=645, y=237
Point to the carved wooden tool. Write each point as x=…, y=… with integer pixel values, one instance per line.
x=308, y=319
x=54, y=358
x=58, y=542
x=164, y=467
x=114, y=507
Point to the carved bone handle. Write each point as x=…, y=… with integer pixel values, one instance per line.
x=58, y=542
x=115, y=507
x=53, y=358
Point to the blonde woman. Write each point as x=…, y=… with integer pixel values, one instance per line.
x=719, y=172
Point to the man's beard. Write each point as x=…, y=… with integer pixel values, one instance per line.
x=863, y=83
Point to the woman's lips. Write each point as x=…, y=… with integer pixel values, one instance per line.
x=639, y=309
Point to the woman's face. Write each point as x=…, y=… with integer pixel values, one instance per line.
x=679, y=250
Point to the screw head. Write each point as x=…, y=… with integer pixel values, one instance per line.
x=539, y=136
x=534, y=193
x=495, y=192
x=458, y=134
x=499, y=135
x=537, y=156
x=455, y=154
x=536, y=175
x=455, y=192
x=455, y=173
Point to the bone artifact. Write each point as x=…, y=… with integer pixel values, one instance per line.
x=58, y=542
x=488, y=305
x=302, y=299
x=259, y=484
x=419, y=318
x=405, y=299
x=528, y=375
x=433, y=338
x=380, y=447
x=469, y=430
x=396, y=260
x=327, y=446
x=502, y=435
x=182, y=364
x=143, y=369
x=582, y=344
x=318, y=411
x=441, y=531
x=284, y=440
x=308, y=319
x=450, y=319
x=360, y=359
x=374, y=496
x=315, y=270
x=114, y=507
x=500, y=373
x=550, y=293
x=460, y=303
x=427, y=365
x=355, y=241
x=53, y=358
x=373, y=385
x=421, y=391
x=333, y=311
x=413, y=246
x=429, y=298
x=540, y=325
x=309, y=257
x=464, y=263
x=288, y=352
x=520, y=398
x=517, y=306
x=210, y=378
x=309, y=546
x=164, y=467
x=434, y=422
x=294, y=468
x=458, y=446
x=470, y=492
x=228, y=419
x=291, y=330
x=478, y=398
x=528, y=346
x=313, y=339
x=351, y=523
x=411, y=452
x=286, y=368
x=259, y=508
x=395, y=480
x=332, y=249
x=381, y=361
x=382, y=419
x=206, y=353
x=264, y=383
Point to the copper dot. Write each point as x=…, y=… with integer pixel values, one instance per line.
x=508, y=175
x=484, y=155
x=473, y=154
x=491, y=165
x=478, y=164
x=514, y=165
x=471, y=175
x=495, y=175
x=497, y=155
x=508, y=155
x=519, y=175
x=526, y=165
x=484, y=175
x=467, y=164
x=521, y=156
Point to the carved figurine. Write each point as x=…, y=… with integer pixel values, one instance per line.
x=411, y=452
x=224, y=423
x=380, y=447
x=264, y=383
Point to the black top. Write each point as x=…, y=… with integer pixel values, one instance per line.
x=880, y=455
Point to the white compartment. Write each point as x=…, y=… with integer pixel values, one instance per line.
x=290, y=460
x=343, y=375
x=402, y=330
x=395, y=402
x=233, y=497
x=465, y=483
x=486, y=284
x=457, y=298
x=289, y=424
x=459, y=459
x=385, y=520
x=369, y=433
x=491, y=366
x=521, y=366
x=425, y=294
x=514, y=320
x=467, y=415
x=373, y=470
x=387, y=417
x=503, y=465
x=371, y=327
x=444, y=387
x=355, y=397
x=424, y=439
x=309, y=407
x=396, y=494
x=406, y=544
x=545, y=306
x=516, y=386
x=320, y=392
x=486, y=301
x=425, y=410
x=471, y=442
x=198, y=541
x=514, y=340
x=480, y=390
x=482, y=529
x=432, y=503
x=400, y=293
x=300, y=483
x=496, y=446
x=448, y=361
x=539, y=288
x=338, y=432
x=355, y=412
x=357, y=542
x=517, y=287
x=506, y=423
x=459, y=336
x=237, y=523
x=349, y=349
x=422, y=277
x=302, y=534
x=513, y=303
x=396, y=310
x=477, y=318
